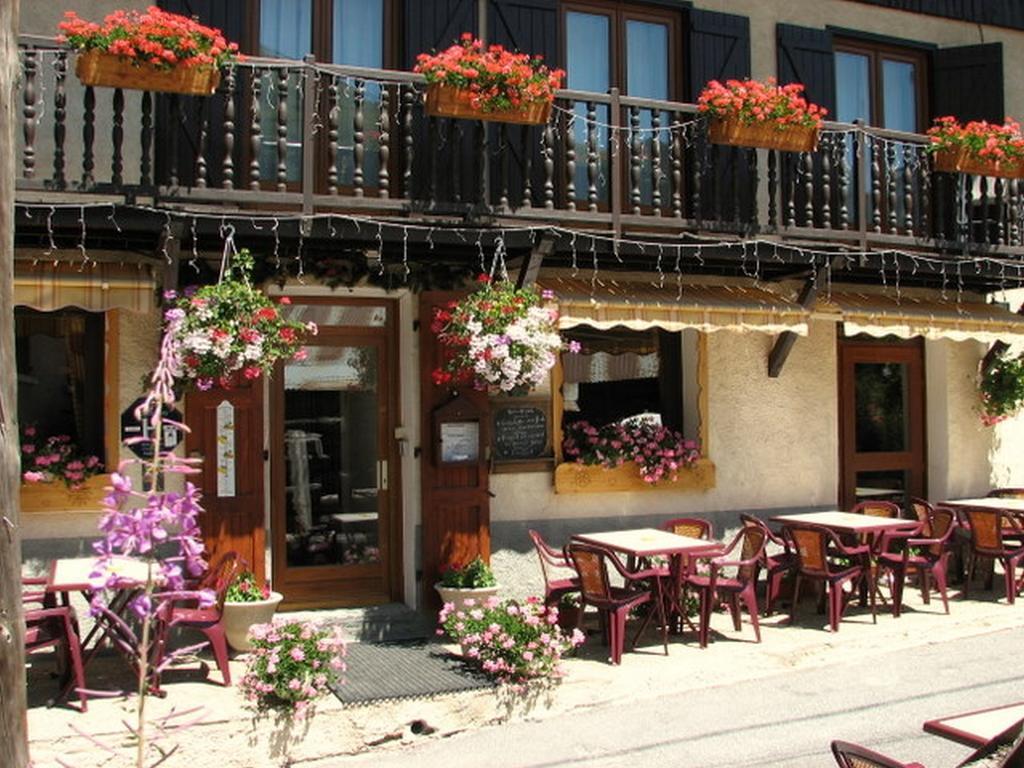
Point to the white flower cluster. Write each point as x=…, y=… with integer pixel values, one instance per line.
x=521, y=356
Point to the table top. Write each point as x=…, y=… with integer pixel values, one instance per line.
x=646, y=542
x=976, y=729
x=989, y=502
x=72, y=574
x=847, y=522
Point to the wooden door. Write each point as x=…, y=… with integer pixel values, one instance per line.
x=455, y=497
x=227, y=432
x=881, y=408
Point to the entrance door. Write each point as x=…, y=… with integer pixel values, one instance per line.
x=881, y=401
x=227, y=432
x=335, y=525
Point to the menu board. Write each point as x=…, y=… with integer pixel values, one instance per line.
x=521, y=432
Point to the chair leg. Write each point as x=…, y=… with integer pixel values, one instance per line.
x=926, y=586
x=734, y=609
x=704, y=628
x=73, y=648
x=619, y=619
x=750, y=600
x=774, y=585
x=939, y=571
x=219, y=645
x=1010, y=577
x=899, y=582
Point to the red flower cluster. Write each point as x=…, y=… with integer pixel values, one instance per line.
x=752, y=101
x=498, y=80
x=982, y=139
x=154, y=37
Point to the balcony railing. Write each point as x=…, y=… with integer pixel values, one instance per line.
x=316, y=138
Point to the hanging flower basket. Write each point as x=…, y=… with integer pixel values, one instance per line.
x=749, y=113
x=1002, y=389
x=792, y=138
x=449, y=101
x=962, y=160
x=108, y=69
x=979, y=147
x=232, y=328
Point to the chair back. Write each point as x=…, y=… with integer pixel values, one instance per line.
x=1007, y=493
x=550, y=558
x=811, y=544
x=986, y=529
x=222, y=573
x=694, y=527
x=752, y=549
x=849, y=755
x=943, y=522
x=923, y=511
x=592, y=568
x=877, y=509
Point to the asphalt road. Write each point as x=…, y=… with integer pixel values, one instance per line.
x=786, y=721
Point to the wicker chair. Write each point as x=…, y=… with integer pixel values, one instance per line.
x=776, y=564
x=750, y=542
x=558, y=573
x=988, y=530
x=694, y=527
x=613, y=604
x=816, y=548
x=849, y=755
x=923, y=511
x=932, y=559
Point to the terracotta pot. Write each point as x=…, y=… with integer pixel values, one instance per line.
x=789, y=138
x=99, y=68
x=238, y=617
x=448, y=101
x=963, y=161
x=458, y=595
x=568, y=616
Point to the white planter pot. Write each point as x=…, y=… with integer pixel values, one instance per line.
x=458, y=595
x=238, y=617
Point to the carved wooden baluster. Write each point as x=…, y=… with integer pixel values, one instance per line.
x=738, y=155
x=876, y=186
x=204, y=131
x=926, y=182
x=752, y=170
x=88, y=137
x=117, y=140
x=527, y=154
x=358, y=137
x=384, y=151
x=29, y=70
x=433, y=156
x=789, y=193
x=282, y=129
x=941, y=186
x=255, y=129
x=570, y=165
x=481, y=162
x=808, y=172
x=716, y=166
x=983, y=208
x=700, y=149
x=890, y=183
x=843, y=176
x=227, y=170
x=677, y=167
x=827, y=144
x=592, y=156
x=333, y=111
x=656, y=161
x=172, y=171
x=636, y=151
x=908, y=188
x=408, y=102
x=773, y=188
x=146, y=141
x=549, y=165
x=1013, y=213
x=60, y=113
x=455, y=145
x=505, y=166
x=1000, y=212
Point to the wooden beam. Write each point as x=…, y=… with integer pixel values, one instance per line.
x=531, y=267
x=13, y=736
x=784, y=343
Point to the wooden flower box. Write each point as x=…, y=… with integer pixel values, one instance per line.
x=964, y=161
x=448, y=101
x=57, y=497
x=791, y=138
x=579, y=478
x=99, y=68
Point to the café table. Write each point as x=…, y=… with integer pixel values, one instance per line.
x=977, y=728
x=640, y=543
x=989, y=502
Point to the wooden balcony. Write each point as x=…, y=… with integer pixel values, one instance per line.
x=309, y=138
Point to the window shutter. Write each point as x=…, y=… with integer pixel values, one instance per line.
x=967, y=82
x=805, y=56
x=432, y=25
x=529, y=26
x=229, y=16
x=718, y=48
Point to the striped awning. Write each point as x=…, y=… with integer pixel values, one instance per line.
x=606, y=303
x=881, y=315
x=95, y=286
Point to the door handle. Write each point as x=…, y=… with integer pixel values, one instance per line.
x=382, y=474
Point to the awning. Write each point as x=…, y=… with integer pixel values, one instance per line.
x=932, y=318
x=94, y=286
x=606, y=303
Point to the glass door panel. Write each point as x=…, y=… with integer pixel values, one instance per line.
x=881, y=412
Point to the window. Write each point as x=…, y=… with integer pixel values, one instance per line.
x=61, y=375
x=881, y=85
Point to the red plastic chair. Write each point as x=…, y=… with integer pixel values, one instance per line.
x=750, y=541
x=181, y=609
x=988, y=530
x=849, y=755
x=694, y=527
x=552, y=562
x=776, y=564
x=57, y=626
x=932, y=560
x=923, y=511
x=614, y=603
x=816, y=548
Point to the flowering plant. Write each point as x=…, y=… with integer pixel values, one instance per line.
x=1002, y=389
x=499, y=337
x=498, y=80
x=292, y=664
x=55, y=457
x=473, y=576
x=232, y=326
x=245, y=589
x=753, y=101
x=155, y=37
x=514, y=642
x=659, y=452
x=980, y=138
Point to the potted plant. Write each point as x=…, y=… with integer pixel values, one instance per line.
x=569, y=610
x=470, y=81
x=499, y=338
x=659, y=453
x=1002, y=389
x=979, y=147
x=468, y=585
x=232, y=327
x=151, y=51
x=45, y=460
x=246, y=604
x=751, y=113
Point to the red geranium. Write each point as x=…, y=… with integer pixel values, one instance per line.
x=751, y=101
x=983, y=139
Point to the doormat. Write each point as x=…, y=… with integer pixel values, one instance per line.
x=404, y=671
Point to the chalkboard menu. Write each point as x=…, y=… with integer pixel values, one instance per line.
x=521, y=432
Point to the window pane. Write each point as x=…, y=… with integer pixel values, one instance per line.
x=899, y=84
x=358, y=33
x=286, y=28
x=589, y=69
x=880, y=394
x=853, y=87
x=646, y=59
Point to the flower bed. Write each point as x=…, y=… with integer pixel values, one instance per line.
x=979, y=147
x=761, y=114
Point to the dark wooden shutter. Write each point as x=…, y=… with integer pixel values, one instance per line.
x=718, y=48
x=431, y=25
x=967, y=82
x=805, y=56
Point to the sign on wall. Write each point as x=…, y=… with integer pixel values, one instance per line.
x=133, y=429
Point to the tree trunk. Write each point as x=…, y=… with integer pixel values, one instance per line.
x=13, y=735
